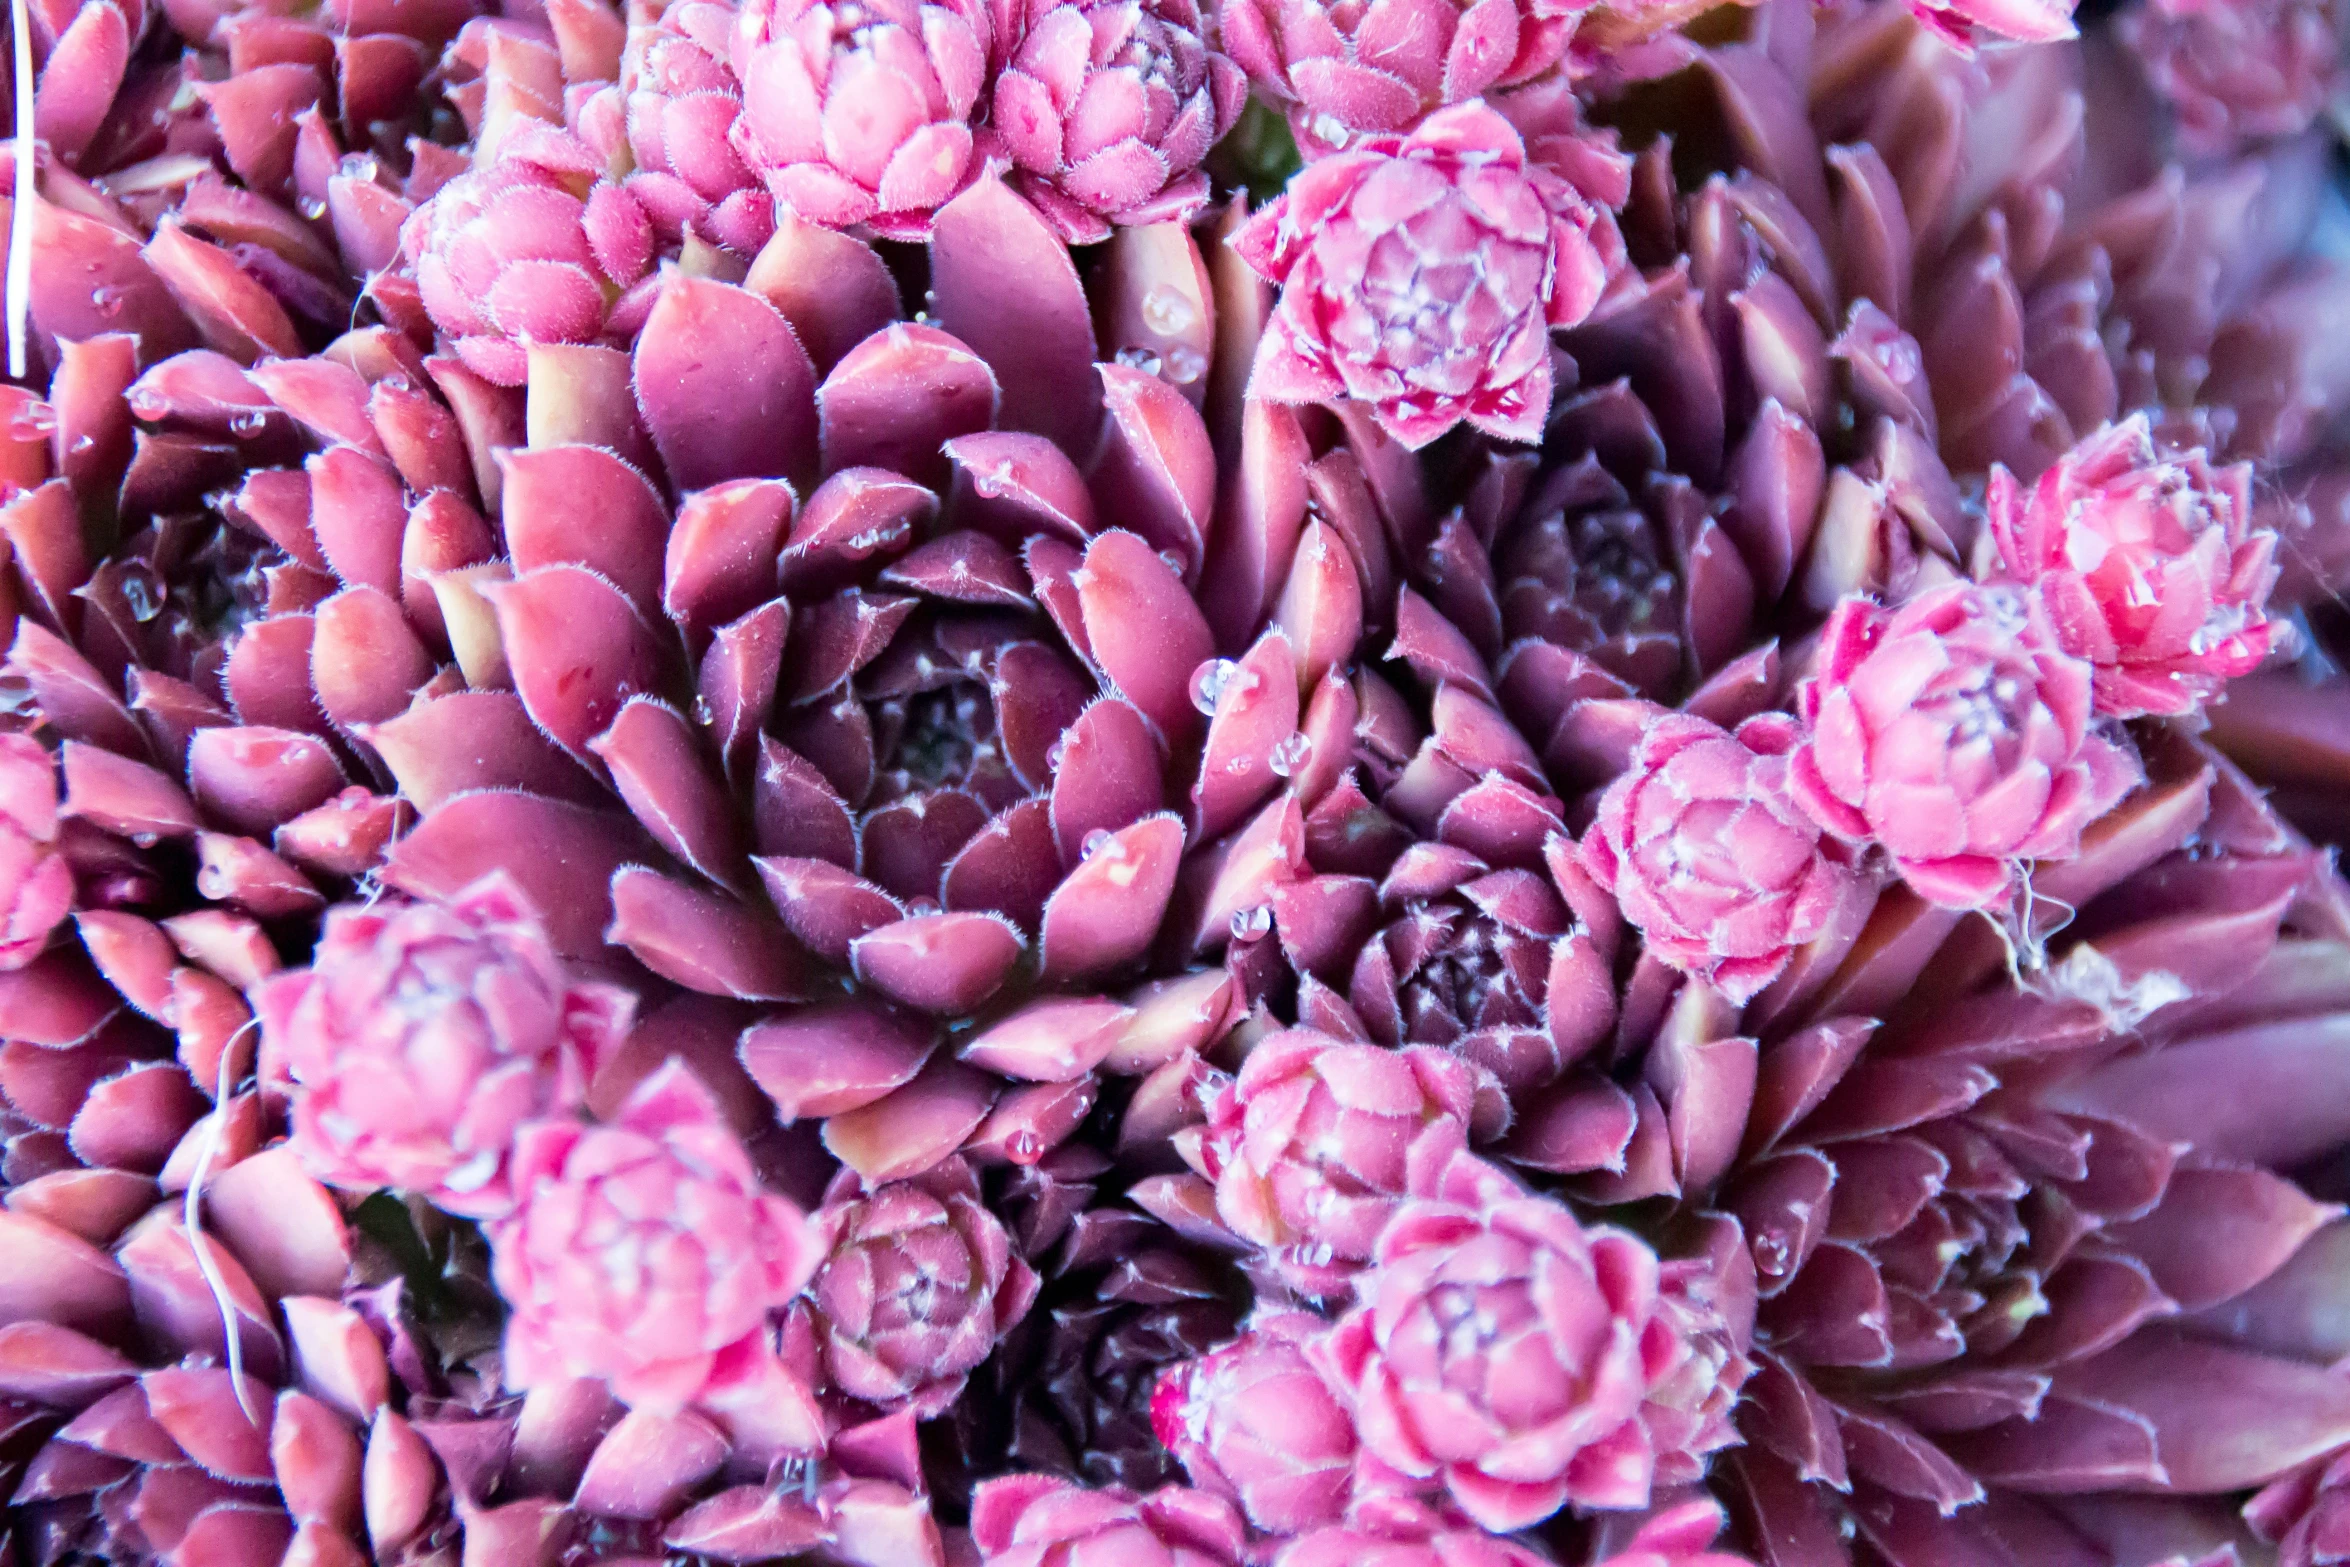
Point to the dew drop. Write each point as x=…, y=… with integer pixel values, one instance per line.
x=107, y=300
x=1139, y=359
x=1167, y=311
x=1249, y=924
x=1095, y=842
x=246, y=423
x=1208, y=683
x=1185, y=364
x=1290, y=754
x=311, y=207
x=1024, y=1147
x=139, y=592
x=397, y=381
x=37, y=423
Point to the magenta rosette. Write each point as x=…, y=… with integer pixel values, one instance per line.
x=1704, y=849
x=1421, y=275
x=1502, y=1353
x=1256, y=1422
x=643, y=1251
x=421, y=1038
x=859, y=114
x=1108, y=107
x=920, y=1284
x=1954, y=732
x=1317, y=1141
x=2151, y=567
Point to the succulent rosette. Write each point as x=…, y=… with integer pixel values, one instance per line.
x=2236, y=74
x=920, y=1283
x=2151, y=567
x=1107, y=110
x=1024, y=824
x=1703, y=847
x=1955, y=732
x=1503, y=1352
x=859, y=115
x=642, y=1250
x=1422, y=273
x=420, y=1039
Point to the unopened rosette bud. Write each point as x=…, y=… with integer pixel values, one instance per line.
x=1317, y=1141
x=531, y=248
x=1701, y=845
x=1106, y=107
x=2237, y=71
x=642, y=1250
x=420, y=1038
x=1255, y=1421
x=2150, y=565
x=1421, y=274
x=1502, y=1351
x=858, y=113
x=920, y=1285
x=1954, y=732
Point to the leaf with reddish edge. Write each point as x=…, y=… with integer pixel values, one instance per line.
x=1107, y=776
x=577, y=648
x=1239, y=874
x=1055, y=1040
x=1256, y=713
x=359, y=516
x=1009, y=866
x=284, y=1227
x=738, y=678
x=53, y=1365
x=725, y=388
x=235, y=314
x=1038, y=338
x=1144, y=630
x=945, y=964
x=124, y=796
x=702, y=940
x=1157, y=472
x=1263, y=506
x=78, y=702
x=253, y=778
x=821, y=1061
x=544, y=488
x=826, y=907
x=1108, y=908
x=475, y=740
x=748, y=1523
x=721, y=555
x=561, y=856
x=649, y=1462
x=832, y=287
x=131, y=1121
x=914, y=1127
x=365, y=662
x=1021, y=484
x=896, y=399
x=52, y=1276
x=2265, y=1218
x=835, y=637
x=2268, y=1117
x=658, y=766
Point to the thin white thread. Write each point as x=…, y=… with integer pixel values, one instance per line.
x=20, y=219
x=191, y=1219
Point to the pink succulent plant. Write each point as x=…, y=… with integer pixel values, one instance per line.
x=859, y=114
x=1318, y=1141
x=2151, y=567
x=1107, y=107
x=678, y=102
x=918, y=1287
x=1502, y=1353
x=529, y=249
x=2236, y=72
x=1956, y=733
x=36, y=882
x=1341, y=1547
x=1038, y=1521
x=1421, y=275
x=1346, y=71
x=642, y=1250
x=1706, y=852
x=1254, y=1421
x=421, y=1038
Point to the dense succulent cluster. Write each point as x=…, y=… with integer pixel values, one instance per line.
x=1116, y=783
